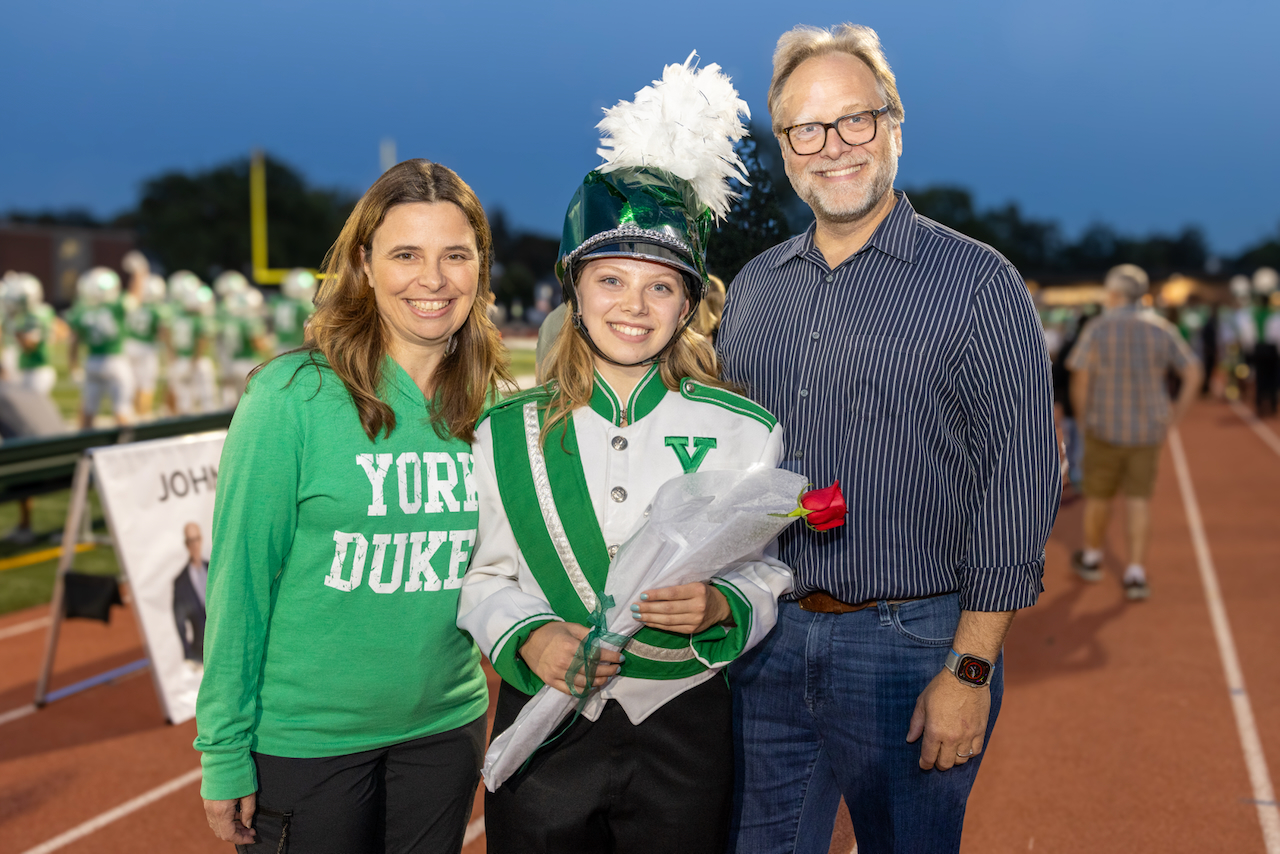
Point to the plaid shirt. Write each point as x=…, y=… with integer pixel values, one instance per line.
x=1128, y=352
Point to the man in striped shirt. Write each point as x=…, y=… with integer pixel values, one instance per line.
x=906, y=361
x=1118, y=372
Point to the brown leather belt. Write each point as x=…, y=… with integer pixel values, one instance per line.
x=821, y=602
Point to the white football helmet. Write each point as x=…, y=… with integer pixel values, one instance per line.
x=1265, y=280
x=299, y=285
x=98, y=286
x=246, y=303
x=203, y=301
x=1240, y=287
x=13, y=292
x=228, y=283
x=182, y=285
x=153, y=289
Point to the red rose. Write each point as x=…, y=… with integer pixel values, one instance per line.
x=826, y=507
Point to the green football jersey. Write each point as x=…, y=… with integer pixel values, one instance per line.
x=37, y=328
x=238, y=334
x=142, y=323
x=99, y=327
x=289, y=318
x=186, y=330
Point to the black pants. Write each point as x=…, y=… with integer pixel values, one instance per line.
x=611, y=787
x=410, y=798
x=1266, y=361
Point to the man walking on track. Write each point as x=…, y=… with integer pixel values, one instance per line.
x=1118, y=373
x=907, y=362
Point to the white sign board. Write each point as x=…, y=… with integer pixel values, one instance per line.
x=158, y=499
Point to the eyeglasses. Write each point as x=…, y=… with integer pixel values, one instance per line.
x=854, y=129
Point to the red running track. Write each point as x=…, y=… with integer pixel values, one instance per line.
x=1117, y=733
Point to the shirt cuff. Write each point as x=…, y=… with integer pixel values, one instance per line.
x=227, y=775
x=1002, y=588
x=720, y=644
x=505, y=655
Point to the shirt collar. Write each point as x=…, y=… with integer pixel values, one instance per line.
x=645, y=397
x=396, y=380
x=895, y=235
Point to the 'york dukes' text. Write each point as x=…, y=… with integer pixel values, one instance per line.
x=414, y=550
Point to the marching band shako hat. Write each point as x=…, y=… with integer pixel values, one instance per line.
x=669, y=155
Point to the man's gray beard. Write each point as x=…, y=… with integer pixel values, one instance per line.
x=883, y=185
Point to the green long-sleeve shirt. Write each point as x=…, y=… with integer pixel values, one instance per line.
x=333, y=582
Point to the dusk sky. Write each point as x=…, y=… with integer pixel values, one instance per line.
x=1145, y=115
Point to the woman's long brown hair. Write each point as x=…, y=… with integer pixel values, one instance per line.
x=347, y=329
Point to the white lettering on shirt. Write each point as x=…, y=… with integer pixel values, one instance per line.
x=380, y=543
x=459, y=557
x=402, y=471
x=440, y=488
x=334, y=579
x=421, y=575
x=377, y=473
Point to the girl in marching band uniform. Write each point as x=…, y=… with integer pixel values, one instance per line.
x=564, y=473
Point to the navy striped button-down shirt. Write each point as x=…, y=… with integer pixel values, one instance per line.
x=916, y=374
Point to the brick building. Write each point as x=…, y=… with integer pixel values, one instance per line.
x=58, y=254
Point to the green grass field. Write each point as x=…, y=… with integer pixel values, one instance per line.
x=26, y=586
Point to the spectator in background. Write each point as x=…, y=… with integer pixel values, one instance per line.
x=1062, y=397
x=1266, y=355
x=1119, y=367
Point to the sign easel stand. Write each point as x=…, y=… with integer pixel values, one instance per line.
x=78, y=529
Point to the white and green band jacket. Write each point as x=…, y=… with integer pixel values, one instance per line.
x=542, y=555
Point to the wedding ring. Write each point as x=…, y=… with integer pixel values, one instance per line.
x=966, y=755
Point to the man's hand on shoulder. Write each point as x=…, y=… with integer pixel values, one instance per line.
x=952, y=717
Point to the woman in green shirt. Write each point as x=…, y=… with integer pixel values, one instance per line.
x=341, y=709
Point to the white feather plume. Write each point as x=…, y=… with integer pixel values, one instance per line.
x=686, y=124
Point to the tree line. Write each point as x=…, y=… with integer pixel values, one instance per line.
x=199, y=221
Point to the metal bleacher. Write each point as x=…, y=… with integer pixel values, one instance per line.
x=36, y=466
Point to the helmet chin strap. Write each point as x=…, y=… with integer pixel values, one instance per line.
x=586, y=336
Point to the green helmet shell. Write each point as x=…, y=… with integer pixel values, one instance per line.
x=636, y=213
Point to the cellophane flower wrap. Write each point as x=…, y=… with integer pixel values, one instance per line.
x=699, y=525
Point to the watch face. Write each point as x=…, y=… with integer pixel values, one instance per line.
x=972, y=669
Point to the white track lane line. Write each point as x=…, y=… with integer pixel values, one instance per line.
x=23, y=628
x=119, y=812
x=474, y=831
x=1264, y=432
x=14, y=714
x=1264, y=796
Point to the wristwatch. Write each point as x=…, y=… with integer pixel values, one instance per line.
x=970, y=669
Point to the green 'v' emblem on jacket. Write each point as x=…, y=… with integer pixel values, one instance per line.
x=680, y=444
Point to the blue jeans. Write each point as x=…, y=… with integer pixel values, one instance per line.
x=822, y=707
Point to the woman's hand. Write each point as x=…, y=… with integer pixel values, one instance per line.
x=686, y=609
x=549, y=653
x=227, y=825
